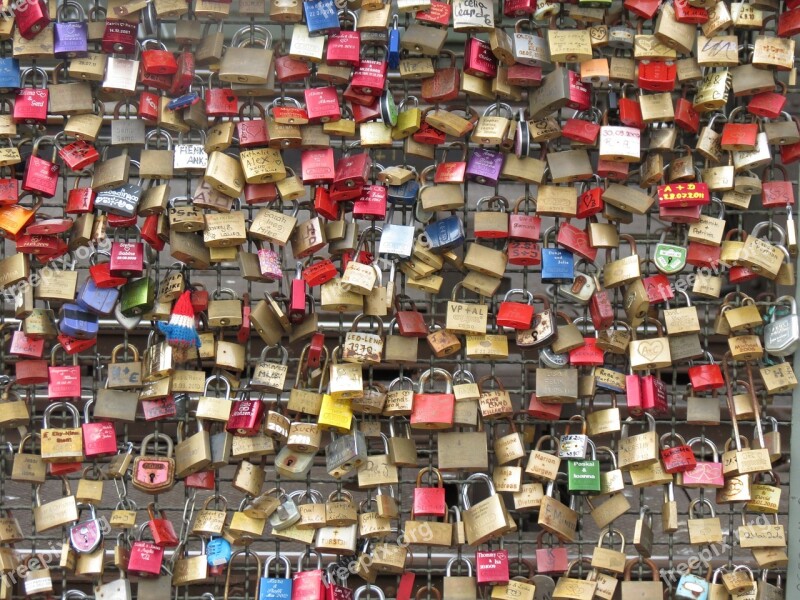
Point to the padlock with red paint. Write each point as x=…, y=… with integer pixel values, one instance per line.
x=288, y=69
x=344, y=46
x=247, y=416
x=590, y=201
x=25, y=346
x=410, y=322
x=119, y=37
x=429, y=135
x=322, y=105
x=478, y=59
x=516, y=315
x=317, y=168
x=600, y=309
x=738, y=137
x=436, y=15
x=550, y=560
x=162, y=529
x=614, y=170
x=154, y=80
x=789, y=23
x=297, y=296
x=740, y=274
x=524, y=75
x=99, y=437
x=680, y=214
x=519, y=8
x=429, y=501
x=645, y=9
x=78, y=155
x=318, y=270
x=31, y=18
x=707, y=377
x=576, y=240
x=127, y=258
x=369, y=77
x=776, y=193
x=658, y=288
x=64, y=380
x=524, y=253
x=41, y=176
x=150, y=233
x=433, y=410
x=524, y=227
x=157, y=60
x=101, y=273
x=539, y=410
x=588, y=355
x=630, y=111
x=252, y=131
x=686, y=117
x=656, y=76
x=580, y=93
x=770, y=104
x=683, y=194
x=184, y=76
x=679, y=458
x=686, y=13
x=325, y=205
x=30, y=103
x=491, y=567
x=146, y=557
x=654, y=395
x=148, y=108
x=260, y=193
x=371, y=204
x=220, y=101
x=31, y=372
x=202, y=480
x=703, y=255
x=581, y=129
x=199, y=298
x=352, y=173
x=9, y=191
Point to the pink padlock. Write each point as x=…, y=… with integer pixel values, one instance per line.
x=99, y=438
x=492, y=567
x=705, y=474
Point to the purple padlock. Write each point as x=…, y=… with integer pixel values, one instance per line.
x=484, y=166
x=70, y=38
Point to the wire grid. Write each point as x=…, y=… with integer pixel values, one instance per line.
x=517, y=374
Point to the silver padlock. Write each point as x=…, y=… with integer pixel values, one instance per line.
x=286, y=515
x=553, y=360
x=118, y=589
x=190, y=156
x=573, y=446
x=85, y=536
x=294, y=465
x=581, y=289
x=782, y=335
x=221, y=444
x=345, y=453
x=396, y=240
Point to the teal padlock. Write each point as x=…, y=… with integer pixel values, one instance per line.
x=584, y=475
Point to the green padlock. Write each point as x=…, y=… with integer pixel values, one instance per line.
x=137, y=297
x=584, y=475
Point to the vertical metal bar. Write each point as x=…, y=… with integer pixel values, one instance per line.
x=793, y=571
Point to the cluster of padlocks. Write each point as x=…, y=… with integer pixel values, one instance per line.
x=155, y=145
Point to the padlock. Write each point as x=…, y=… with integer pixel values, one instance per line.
x=153, y=474
x=557, y=264
x=62, y=445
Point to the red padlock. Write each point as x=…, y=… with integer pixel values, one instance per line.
x=630, y=111
x=679, y=458
x=369, y=77
x=683, y=195
x=540, y=410
x=26, y=346
x=479, y=59
x=184, y=76
x=654, y=395
x=202, y=480
x=322, y=105
x=41, y=176
x=148, y=108
x=491, y=567
x=260, y=193
x=678, y=214
x=686, y=117
x=344, y=47
x=658, y=288
x=581, y=130
x=31, y=18
x=738, y=137
x=739, y=274
x=353, y=96
x=429, y=501
x=769, y=104
x=64, y=380
x=371, y=204
x=590, y=201
x=99, y=438
x=633, y=394
x=119, y=37
x=524, y=75
x=646, y=9
x=576, y=240
x=145, y=557
x=9, y=191
x=318, y=270
x=127, y=258
x=363, y=113
x=309, y=585
x=325, y=205
x=776, y=193
x=150, y=232
x=550, y=560
x=352, y=173
x=317, y=168
x=78, y=155
x=160, y=408
x=153, y=80
x=31, y=372
x=703, y=255
x=519, y=8
x=30, y=103
x=452, y=171
x=600, y=309
x=199, y=298
x=445, y=83
x=410, y=322
x=686, y=13
x=433, y=410
x=789, y=23
x=73, y=346
x=706, y=377
x=588, y=355
x=524, y=227
x=252, y=129
x=162, y=529
x=246, y=418
x=427, y=134
x=297, y=296
x=613, y=170
x=516, y=315
x=656, y=76
x=437, y=14
x=288, y=69
x=158, y=60
x=221, y=102
x=101, y=273
x=524, y=253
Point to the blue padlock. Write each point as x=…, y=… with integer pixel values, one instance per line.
x=322, y=17
x=218, y=552
x=77, y=323
x=558, y=265
x=444, y=234
x=97, y=300
x=275, y=588
x=607, y=383
x=692, y=587
x=393, y=56
x=9, y=75
x=405, y=193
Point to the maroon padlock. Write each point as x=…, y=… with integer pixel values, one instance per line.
x=524, y=254
x=119, y=37
x=576, y=240
x=478, y=58
x=600, y=309
x=247, y=416
x=127, y=258
x=352, y=173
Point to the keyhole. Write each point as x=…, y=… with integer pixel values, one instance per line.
x=289, y=462
x=152, y=477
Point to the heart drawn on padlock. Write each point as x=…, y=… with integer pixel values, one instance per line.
x=650, y=350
